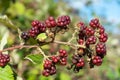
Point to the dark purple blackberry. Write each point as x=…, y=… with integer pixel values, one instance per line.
x=25, y=35
x=78, y=62
x=63, y=21
x=4, y=59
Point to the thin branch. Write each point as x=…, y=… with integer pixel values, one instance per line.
x=18, y=47
x=70, y=44
x=73, y=36
x=24, y=46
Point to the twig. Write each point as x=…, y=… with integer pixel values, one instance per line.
x=70, y=44
x=24, y=46
x=18, y=47
x=73, y=36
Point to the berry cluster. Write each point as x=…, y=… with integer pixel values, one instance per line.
x=63, y=21
x=40, y=27
x=50, y=65
x=77, y=62
x=4, y=59
x=94, y=38
x=97, y=60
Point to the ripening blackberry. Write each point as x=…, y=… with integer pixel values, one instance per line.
x=50, y=22
x=89, y=31
x=101, y=29
x=49, y=68
x=97, y=60
x=4, y=59
x=34, y=31
x=103, y=37
x=101, y=49
x=63, y=21
x=94, y=23
x=34, y=23
x=91, y=40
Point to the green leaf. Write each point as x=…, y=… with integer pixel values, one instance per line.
x=6, y=73
x=4, y=41
x=42, y=37
x=64, y=76
x=35, y=58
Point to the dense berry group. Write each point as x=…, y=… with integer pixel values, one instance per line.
x=63, y=21
x=41, y=27
x=77, y=62
x=94, y=38
x=90, y=48
x=50, y=65
x=4, y=59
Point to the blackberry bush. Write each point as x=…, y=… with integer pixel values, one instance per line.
x=89, y=48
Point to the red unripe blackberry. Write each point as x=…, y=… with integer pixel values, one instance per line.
x=63, y=53
x=101, y=29
x=49, y=68
x=81, y=41
x=34, y=23
x=4, y=59
x=97, y=60
x=101, y=49
x=55, y=59
x=45, y=73
x=91, y=40
x=63, y=21
x=89, y=31
x=47, y=64
x=25, y=35
x=94, y=23
x=42, y=27
x=80, y=63
x=103, y=37
x=50, y=22
x=81, y=35
x=33, y=32
x=52, y=70
x=63, y=61
x=82, y=26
